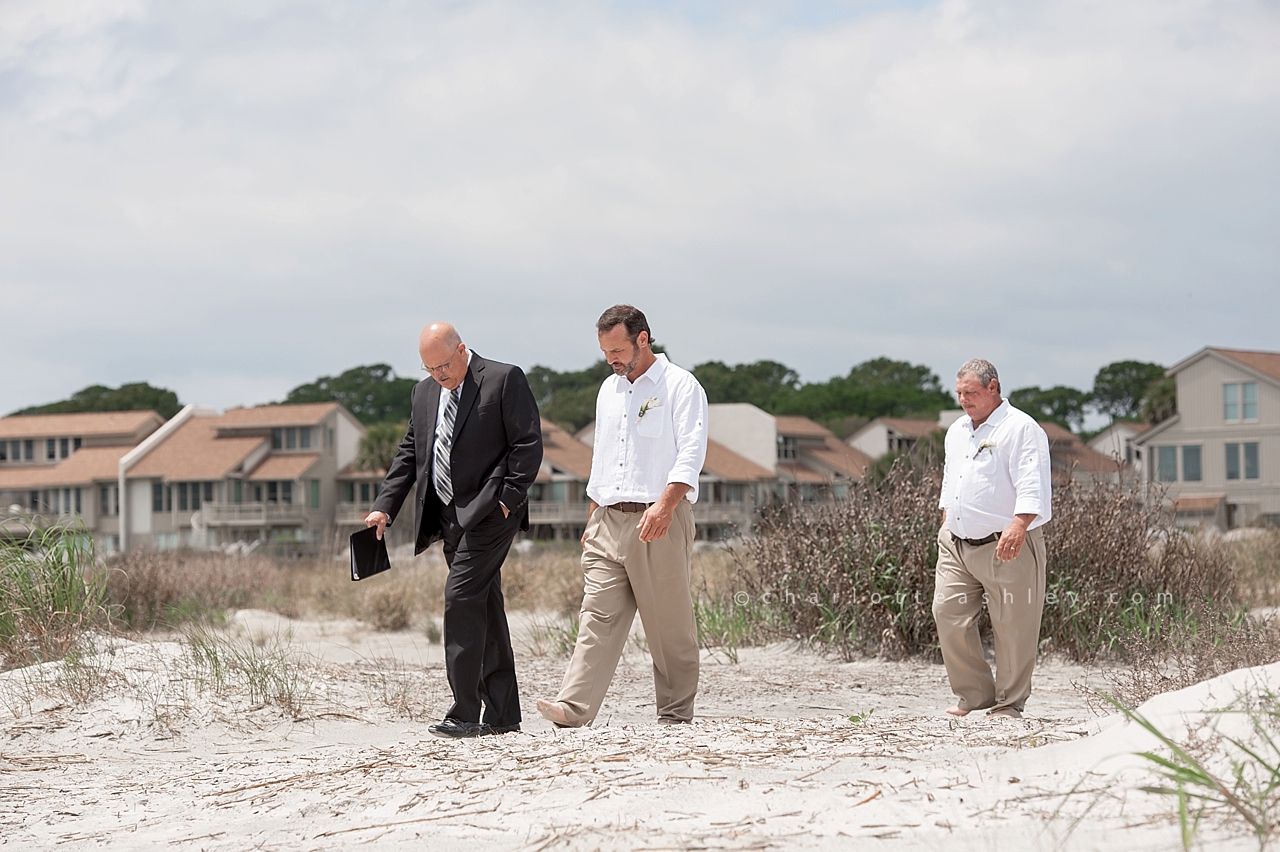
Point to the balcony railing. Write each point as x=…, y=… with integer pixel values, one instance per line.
x=252, y=514
x=352, y=514
x=554, y=512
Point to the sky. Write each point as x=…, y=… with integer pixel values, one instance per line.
x=230, y=199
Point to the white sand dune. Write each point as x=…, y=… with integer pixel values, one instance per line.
x=168, y=758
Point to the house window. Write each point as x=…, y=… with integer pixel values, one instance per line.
x=1240, y=401
x=64, y=448
x=157, y=496
x=51, y=448
x=273, y=492
x=315, y=492
x=277, y=438
x=1250, y=461
x=304, y=438
x=75, y=444
x=735, y=492
x=291, y=438
x=78, y=505
x=104, y=500
x=208, y=492
x=559, y=492
x=364, y=492
x=182, y=496
x=331, y=438
x=257, y=493
x=348, y=492
x=1249, y=468
x=1191, y=463
x=195, y=496
x=237, y=491
x=286, y=492
x=1166, y=464
x=787, y=448
x=4, y=450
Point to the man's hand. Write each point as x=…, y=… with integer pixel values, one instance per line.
x=379, y=520
x=1011, y=539
x=655, y=521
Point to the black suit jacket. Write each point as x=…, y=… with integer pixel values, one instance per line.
x=497, y=450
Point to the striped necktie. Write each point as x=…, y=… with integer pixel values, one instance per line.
x=444, y=448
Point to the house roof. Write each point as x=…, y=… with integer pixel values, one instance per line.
x=291, y=466
x=1267, y=363
x=84, y=424
x=196, y=452
x=86, y=465
x=838, y=455
x=726, y=464
x=305, y=414
x=914, y=427
x=563, y=451
x=800, y=427
x=1067, y=450
x=1198, y=503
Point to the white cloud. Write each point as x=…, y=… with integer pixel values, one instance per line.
x=222, y=196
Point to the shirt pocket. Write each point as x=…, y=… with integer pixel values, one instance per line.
x=651, y=425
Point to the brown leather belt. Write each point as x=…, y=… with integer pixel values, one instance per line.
x=975, y=542
x=630, y=508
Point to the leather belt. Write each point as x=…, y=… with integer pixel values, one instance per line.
x=630, y=508
x=975, y=542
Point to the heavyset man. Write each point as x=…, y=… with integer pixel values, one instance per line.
x=995, y=499
x=650, y=442
x=473, y=448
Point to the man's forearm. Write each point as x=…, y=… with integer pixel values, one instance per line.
x=672, y=495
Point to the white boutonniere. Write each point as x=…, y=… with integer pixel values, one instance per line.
x=989, y=446
x=651, y=402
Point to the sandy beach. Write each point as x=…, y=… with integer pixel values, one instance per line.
x=164, y=758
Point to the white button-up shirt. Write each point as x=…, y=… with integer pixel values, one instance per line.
x=994, y=472
x=648, y=434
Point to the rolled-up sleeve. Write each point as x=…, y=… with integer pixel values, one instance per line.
x=1031, y=472
x=689, y=426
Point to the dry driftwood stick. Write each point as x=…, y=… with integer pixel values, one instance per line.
x=338, y=831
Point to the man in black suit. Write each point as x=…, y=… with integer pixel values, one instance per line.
x=473, y=448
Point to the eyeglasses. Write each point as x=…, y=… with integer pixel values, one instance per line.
x=444, y=366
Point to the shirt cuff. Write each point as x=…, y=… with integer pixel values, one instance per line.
x=1027, y=506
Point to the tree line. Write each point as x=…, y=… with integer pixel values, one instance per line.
x=879, y=387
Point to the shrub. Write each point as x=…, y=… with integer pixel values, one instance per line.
x=858, y=575
x=48, y=595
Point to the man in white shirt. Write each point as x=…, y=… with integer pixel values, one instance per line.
x=995, y=500
x=650, y=442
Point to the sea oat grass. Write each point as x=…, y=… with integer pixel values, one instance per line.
x=49, y=594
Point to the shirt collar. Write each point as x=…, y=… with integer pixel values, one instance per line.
x=1002, y=411
x=655, y=371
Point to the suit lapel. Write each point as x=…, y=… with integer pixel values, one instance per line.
x=433, y=413
x=470, y=391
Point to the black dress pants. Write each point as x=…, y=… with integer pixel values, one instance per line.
x=477, y=641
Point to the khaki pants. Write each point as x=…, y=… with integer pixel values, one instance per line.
x=624, y=574
x=968, y=577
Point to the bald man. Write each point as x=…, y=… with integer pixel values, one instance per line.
x=473, y=448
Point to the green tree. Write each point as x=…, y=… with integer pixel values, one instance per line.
x=136, y=396
x=880, y=387
x=1061, y=404
x=568, y=399
x=765, y=384
x=373, y=393
x=1161, y=401
x=379, y=444
x=1119, y=388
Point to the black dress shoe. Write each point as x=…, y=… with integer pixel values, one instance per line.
x=455, y=729
x=503, y=729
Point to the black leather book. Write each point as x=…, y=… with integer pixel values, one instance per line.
x=368, y=554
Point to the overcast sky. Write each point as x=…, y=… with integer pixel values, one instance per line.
x=229, y=199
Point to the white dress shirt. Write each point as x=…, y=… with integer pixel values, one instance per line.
x=444, y=398
x=994, y=472
x=637, y=455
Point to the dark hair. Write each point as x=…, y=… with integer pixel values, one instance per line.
x=632, y=318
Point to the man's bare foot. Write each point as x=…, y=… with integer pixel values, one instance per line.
x=1006, y=713
x=956, y=711
x=553, y=712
